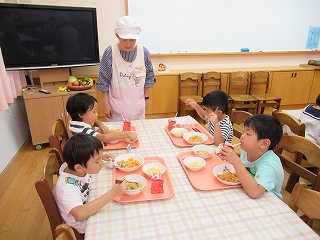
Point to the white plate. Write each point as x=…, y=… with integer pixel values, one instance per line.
x=219, y=169
x=187, y=135
x=155, y=165
x=189, y=160
x=126, y=157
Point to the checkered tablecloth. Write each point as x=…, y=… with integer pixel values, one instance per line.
x=190, y=213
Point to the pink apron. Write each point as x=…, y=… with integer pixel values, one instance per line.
x=126, y=92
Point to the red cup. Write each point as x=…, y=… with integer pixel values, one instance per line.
x=171, y=124
x=221, y=145
x=126, y=125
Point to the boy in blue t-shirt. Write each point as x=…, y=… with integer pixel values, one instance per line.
x=261, y=135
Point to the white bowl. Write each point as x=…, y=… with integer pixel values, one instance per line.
x=178, y=132
x=187, y=135
x=114, y=128
x=183, y=123
x=189, y=160
x=203, y=151
x=219, y=170
x=151, y=168
x=125, y=157
x=135, y=178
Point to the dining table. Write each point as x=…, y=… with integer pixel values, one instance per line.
x=186, y=211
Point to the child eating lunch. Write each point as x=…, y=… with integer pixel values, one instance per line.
x=258, y=168
x=83, y=156
x=83, y=110
x=215, y=107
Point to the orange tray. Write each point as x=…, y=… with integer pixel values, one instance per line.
x=146, y=194
x=122, y=144
x=204, y=179
x=180, y=142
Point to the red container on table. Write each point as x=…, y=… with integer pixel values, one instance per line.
x=171, y=124
x=157, y=183
x=221, y=145
x=126, y=125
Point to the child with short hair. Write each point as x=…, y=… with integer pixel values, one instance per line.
x=310, y=116
x=215, y=107
x=82, y=108
x=83, y=156
x=258, y=167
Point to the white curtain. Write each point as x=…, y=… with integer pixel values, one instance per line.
x=11, y=84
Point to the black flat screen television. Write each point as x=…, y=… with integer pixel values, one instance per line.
x=40, y=36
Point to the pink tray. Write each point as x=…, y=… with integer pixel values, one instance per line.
x=180, y=142
x=146, y=194
x=204, y=179
x=122, y=144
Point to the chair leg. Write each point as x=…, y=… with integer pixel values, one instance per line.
x=292, y=180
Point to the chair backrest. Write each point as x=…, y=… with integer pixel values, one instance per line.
x=301, y=146
x=237, y=118
x=239, y=83
x=295, y=126
x=64, y=232
x=58, y=155
x=305, y=200
x=210, y=81
x=190, y=84
x=259, y=82
x=59, y=136
x=44, y=187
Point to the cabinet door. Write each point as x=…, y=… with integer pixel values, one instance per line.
x=293, y=87
x=42, y=112
x=315, y=89
x=165, y=95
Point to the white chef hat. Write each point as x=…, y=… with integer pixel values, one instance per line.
x=127, y=28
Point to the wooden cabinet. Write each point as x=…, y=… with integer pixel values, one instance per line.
x=43, y=109
x=315, y=88
x=164, y=97
x=294, y=87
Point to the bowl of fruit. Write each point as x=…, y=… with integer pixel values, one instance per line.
x=161, y=67
x=76, y=84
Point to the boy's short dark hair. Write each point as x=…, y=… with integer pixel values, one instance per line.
x=318, y=100
x=266, y=127
x=79, y=104
x=80, y=148
x=216, y=98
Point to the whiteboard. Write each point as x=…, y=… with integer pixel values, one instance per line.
x=224, y=25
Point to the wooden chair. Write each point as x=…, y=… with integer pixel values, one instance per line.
x=237, y=118
x=189, y=87
x=210, y=81
x=59, y=136
x=238, y=91
x=64, y=232
x=261, y=79
x=307, y=201
x=44, y=187
x=58, y=155
x=300, y=146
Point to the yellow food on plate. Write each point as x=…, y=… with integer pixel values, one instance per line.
x=229, y=177
x=134, y=186
x=195, y=164
x=153, y=170
x=195, y=138
x=114, y=130
x=202, y=152
x=129, y=163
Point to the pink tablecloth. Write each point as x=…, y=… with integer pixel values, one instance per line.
x=190, y=213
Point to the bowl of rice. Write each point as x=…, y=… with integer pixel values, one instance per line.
x=228, y=178
x=194, y=163
x=153, y=168
x=195, y=138
x=128, y=162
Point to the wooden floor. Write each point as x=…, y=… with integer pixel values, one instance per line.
x=22, y=213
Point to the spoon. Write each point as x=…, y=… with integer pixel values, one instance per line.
x=122, y=117
x=236, y=144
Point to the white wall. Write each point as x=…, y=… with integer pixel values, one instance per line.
x=14, y=131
